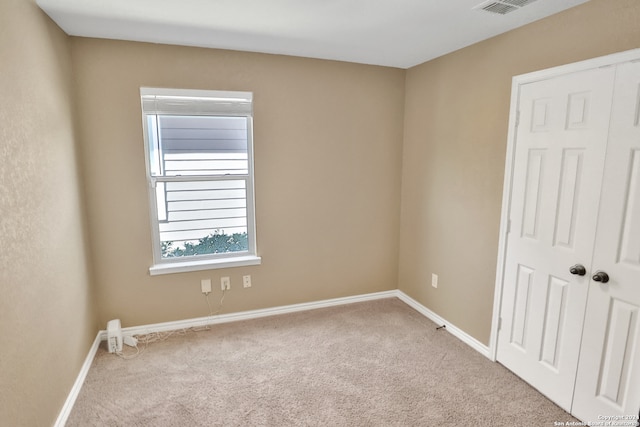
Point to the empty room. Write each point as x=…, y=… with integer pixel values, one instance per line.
x=356, y=213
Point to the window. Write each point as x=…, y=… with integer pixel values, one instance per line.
x=199, y=160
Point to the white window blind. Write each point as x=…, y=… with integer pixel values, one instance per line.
x=196, y=102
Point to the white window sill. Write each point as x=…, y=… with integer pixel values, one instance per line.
x=207, y=264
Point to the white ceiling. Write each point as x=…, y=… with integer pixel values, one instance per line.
x=396, y=33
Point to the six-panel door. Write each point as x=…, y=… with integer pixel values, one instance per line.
x=559, y=159
x=608, y=379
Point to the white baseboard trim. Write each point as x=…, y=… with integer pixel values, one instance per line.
x=256, y=314
x=251, y=314
x=274, y=311
x=453, y=330
x=77, y=385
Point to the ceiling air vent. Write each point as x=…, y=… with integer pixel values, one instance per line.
x=502, y=7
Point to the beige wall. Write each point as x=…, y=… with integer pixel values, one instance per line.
x=456, y=115
x=328, y=147
x=47, y=318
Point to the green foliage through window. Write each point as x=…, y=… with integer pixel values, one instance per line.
x=216, y=243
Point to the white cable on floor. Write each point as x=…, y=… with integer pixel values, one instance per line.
x=153, y=337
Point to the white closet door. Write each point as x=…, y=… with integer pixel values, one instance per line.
x=608, y=380
x=559, y=158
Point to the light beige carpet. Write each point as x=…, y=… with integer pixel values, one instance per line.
x=377, y=363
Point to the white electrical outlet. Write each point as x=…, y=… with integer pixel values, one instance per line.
x=434, y=280
x=246, y=281
x=205, y=285
x=225, y=283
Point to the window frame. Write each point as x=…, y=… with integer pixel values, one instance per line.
x=191, y=102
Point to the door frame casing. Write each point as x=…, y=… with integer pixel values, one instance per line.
x=517, y=81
